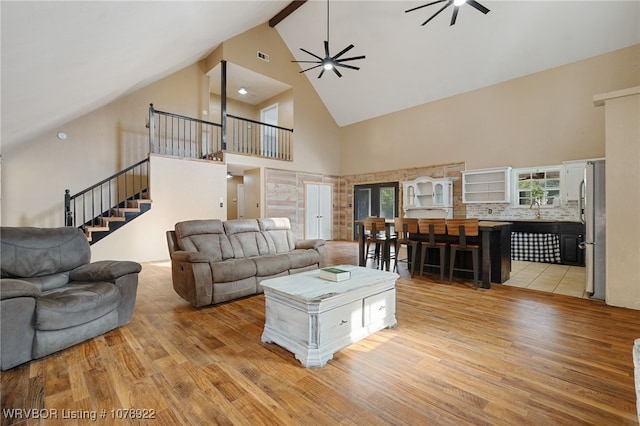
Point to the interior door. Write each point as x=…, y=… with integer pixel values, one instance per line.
x=240, y=201
x=269, y=135
x=318, y=211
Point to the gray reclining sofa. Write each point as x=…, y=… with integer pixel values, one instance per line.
x=52, y=297
x=214, y=261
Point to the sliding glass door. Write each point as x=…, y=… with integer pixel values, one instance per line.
x=376, y=199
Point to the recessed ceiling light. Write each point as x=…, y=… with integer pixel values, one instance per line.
x=243, y=90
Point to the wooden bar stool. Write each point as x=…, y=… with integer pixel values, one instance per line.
x=463, y=228
x=405, y=228
x=376, y=232
x=431, y=228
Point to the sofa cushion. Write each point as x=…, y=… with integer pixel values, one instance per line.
x=204, y=236
x=35, y=252
x=272, y=264
x=232, y=270
x=300, y=258
x=246, y=238
x=75, y=304
x=278, y=233
x=48, y=282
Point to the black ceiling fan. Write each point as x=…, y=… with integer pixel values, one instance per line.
x=456, y=3
x=330, y=62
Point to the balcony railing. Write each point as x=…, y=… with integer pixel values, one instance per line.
x=179, y=136
x=245, y=136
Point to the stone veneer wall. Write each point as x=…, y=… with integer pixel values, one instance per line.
x=503, y=211
x=286, y=198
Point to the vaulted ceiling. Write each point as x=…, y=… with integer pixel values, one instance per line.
x=61, y=60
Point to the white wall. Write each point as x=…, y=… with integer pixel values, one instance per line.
x=622, y=112
x=180, y=190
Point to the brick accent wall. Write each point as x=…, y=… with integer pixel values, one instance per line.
x=286, y=197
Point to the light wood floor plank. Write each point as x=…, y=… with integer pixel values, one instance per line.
x=458, y=356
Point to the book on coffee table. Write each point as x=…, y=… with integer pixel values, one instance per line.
x=335, y=274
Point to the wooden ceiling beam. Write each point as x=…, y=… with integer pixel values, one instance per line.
x=288, y=10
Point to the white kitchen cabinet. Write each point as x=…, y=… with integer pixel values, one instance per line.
x=428, y=197
x=486, y=185
x=573, y=174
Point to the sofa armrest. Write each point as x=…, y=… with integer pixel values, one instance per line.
x=310, y=244
x=191, y=257
x=11, y=288
x=104, y=270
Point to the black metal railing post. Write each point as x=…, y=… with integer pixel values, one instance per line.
x=151, y=126
x=68, y=217
x=223, y=103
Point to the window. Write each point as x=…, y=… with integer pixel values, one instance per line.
x=539, y=186
x=377, y=199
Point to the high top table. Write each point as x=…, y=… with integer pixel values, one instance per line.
x=315, y=318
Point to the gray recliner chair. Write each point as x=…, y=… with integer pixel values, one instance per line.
x=52, y=297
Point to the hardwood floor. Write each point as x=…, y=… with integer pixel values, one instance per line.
x=504, y=356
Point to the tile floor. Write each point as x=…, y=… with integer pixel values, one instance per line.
x=562, y=279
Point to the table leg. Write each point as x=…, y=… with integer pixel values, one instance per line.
x=486, y=259
x=361, y=253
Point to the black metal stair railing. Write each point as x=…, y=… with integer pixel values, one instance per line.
x=108, y=200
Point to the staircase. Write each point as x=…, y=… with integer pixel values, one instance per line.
x=116, y=218
x=111, y=203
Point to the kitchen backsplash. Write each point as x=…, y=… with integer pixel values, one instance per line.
x=567, y=212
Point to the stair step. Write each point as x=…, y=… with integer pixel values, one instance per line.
x=127, y=210
x=91, y=229
x=136, y=203
x=106, y=220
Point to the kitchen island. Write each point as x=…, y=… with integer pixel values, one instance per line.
x=495, y=249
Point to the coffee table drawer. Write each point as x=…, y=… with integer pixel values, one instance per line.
x=340, y=322
x=379, y=306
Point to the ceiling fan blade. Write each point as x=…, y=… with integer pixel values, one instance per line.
x=478, y=6
x=308, y=69
x=326, y=49
x=424, y=5
x=351, y=59
x=438, y=12
x=321, y=72
x=455, y=15
x=345, y=50
x=337, y=72
x=307, y=62
x=347, y=66
x=312, y=54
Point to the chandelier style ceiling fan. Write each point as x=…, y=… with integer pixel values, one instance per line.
x=330, y=62
x=456, y=6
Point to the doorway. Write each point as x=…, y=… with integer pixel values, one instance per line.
x=318, y=211
x=375, y=199
x=269, y=135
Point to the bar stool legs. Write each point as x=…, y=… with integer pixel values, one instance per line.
x=441, y=254
x=475, y=258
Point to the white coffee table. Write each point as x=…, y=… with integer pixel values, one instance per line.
x=315, y=318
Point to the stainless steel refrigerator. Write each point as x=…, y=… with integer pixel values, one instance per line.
x=593, y=215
